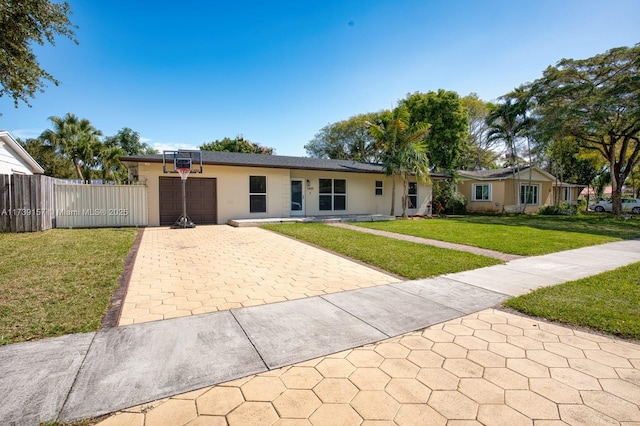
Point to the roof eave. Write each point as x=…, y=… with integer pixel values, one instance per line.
x=7, y=138
x=129, y=160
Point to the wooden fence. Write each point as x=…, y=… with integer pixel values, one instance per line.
x=27, y=203
x=30, y=203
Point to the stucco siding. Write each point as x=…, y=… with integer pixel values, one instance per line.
x=233, y=191
x=496, y=200
x=505, y=192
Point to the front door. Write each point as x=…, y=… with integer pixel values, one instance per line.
x=297, y=197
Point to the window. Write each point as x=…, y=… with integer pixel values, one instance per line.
x=413, y=195
x=481, y=192
x=333, y=194
x=566, y=194
x=528, y=194
x=378, y=187
x=257, y=194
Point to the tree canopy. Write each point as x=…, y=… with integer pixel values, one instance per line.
x=47, y=155
x=129, y=142
x=346, y=140
x=596, y=101
x=403, y=150
x=507, y=123
x=75, y=138
x=480, y=150
x=448, y=126
x=73, y=147
x=23, y=23
x=238, y=144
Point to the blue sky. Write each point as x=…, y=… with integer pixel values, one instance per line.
x=185, y=73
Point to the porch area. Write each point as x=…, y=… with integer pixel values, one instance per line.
x=240, y=223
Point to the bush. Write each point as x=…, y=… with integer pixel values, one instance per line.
x=457, y=204
x=446, y=200
x=563, y=209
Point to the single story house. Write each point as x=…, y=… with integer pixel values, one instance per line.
x=256, y=186
x=494, y=191
x=14, y=159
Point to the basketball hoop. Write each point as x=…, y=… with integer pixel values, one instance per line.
x=183, y=172
x=183, y=167
x=184, y=163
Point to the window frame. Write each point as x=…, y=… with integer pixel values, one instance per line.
x=536, y=194
x=379, y=189
x=474, y=192
x=254, y=194
x=332, y=196
x=412, y=195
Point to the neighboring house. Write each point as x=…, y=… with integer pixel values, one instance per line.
x=251, y=186
x=494, y=190
x=14, y=159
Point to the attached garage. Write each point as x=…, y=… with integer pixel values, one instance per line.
x=201, y=200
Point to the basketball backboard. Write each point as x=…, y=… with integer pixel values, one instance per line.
x=173, y=160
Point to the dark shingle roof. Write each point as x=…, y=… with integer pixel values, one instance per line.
x=273, y=161
x=490, y=174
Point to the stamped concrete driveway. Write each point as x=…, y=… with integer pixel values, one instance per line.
x=180, y=272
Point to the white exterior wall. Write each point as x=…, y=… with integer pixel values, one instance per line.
x=233, y=191
x=232, y=186
x=10, y=162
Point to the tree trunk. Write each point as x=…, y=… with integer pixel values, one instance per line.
x=516, y=189
x=393, y=196
x=616, y=189
x=405, y=197
x=78, y=171
x=617, y=180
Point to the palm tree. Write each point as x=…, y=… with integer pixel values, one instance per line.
x=75, y=138
x=507, y=123
x=413, y=161
x=109, y=158
x=403, y=150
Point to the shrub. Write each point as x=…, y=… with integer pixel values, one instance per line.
x=446, y=200
x=457, y=204
x=564, y=209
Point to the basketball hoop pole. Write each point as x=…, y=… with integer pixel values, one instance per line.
x=184, y=221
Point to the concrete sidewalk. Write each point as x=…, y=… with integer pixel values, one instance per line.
x=86, y=375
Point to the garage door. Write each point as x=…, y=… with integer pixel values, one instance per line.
x=201, y=200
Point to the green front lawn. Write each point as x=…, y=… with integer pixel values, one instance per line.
x=59, y=281
x=522, y=234
x=409, y=260
x=608, y=302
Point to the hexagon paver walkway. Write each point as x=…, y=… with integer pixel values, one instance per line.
x=487, y=368
x=214, y=268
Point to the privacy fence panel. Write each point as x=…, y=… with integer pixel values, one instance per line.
x=93, y=206
x=27, y=203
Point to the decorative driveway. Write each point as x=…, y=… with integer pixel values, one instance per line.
x=181, y=272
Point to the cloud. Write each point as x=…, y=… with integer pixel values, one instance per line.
x=26, y=133
x=171, y=146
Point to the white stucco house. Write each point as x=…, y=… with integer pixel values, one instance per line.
x=257, y=186
x=14, y=159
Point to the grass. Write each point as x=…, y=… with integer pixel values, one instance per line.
x=524, y=235
x=409, y=260
x=59, y=281
x=608, y=302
